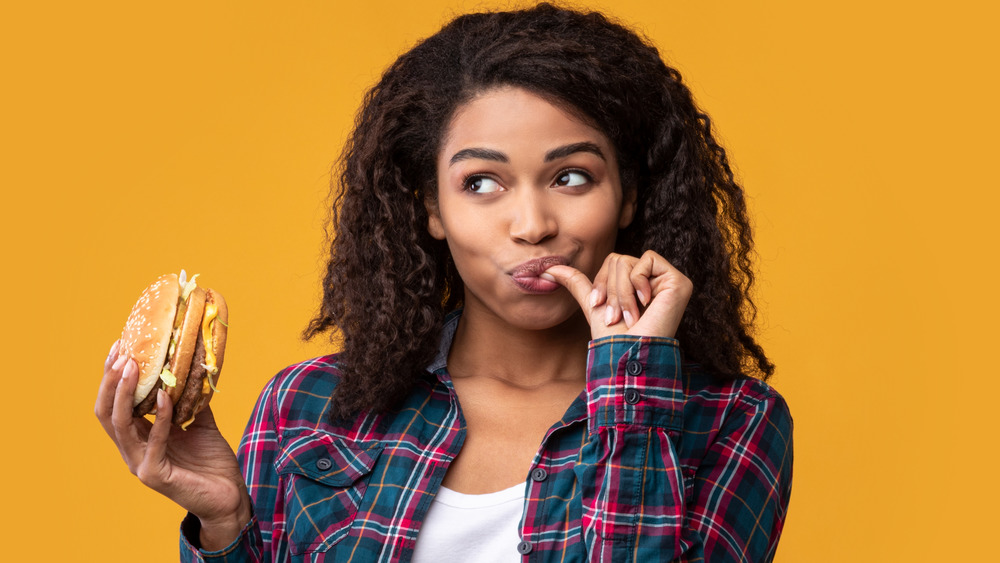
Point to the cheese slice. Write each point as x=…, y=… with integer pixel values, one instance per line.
x=211, y=311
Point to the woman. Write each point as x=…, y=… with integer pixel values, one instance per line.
x=541, y=277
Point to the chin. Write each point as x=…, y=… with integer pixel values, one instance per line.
x=539, y=316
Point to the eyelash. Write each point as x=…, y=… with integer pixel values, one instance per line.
x=584, y=173
x=469, y=178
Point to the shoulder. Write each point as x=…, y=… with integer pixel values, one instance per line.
x=310, y=377
x=299, y=398
x=299, y=395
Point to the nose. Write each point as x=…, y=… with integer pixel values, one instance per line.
x=532, y=219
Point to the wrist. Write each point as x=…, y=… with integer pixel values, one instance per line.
x=220, y=531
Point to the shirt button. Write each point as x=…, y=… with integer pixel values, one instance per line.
x=539, y=474
x=323, y=464
x=524, y=548
x=633, y=367
x=632, y=396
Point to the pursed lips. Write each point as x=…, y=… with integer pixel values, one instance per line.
x=534, y=267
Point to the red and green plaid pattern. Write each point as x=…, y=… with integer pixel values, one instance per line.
x=655, y=461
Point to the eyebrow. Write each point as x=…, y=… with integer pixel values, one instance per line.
x=564, y=151
x=554, y=154
x=480, y=154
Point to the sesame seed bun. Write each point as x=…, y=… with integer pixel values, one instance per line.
x=184, y=334
x=146, y=336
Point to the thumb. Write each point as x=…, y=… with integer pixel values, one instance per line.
x=575, y=281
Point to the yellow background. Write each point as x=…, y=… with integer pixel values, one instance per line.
x=139, y=138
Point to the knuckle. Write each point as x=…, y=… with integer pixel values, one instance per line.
x=686, y=286
x=119, y=426
x=147, y=475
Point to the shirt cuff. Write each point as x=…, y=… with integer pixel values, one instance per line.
x=635, y=381
x=238, y=551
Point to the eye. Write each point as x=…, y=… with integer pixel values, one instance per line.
x=482, y=185
x=572, y=178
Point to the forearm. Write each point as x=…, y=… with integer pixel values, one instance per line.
x=676, y=472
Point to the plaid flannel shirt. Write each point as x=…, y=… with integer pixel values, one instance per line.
x=655, y=461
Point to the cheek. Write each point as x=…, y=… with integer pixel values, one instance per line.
x=467, y=239
x=598, y=224
x=596, y=231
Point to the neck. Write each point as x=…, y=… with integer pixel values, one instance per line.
x=485, y=347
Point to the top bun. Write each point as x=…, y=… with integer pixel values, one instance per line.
x=146, y=336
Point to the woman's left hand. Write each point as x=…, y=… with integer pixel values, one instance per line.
x=639, y=296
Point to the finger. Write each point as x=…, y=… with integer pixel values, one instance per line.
x=205, y=418
x=126, y=432
x=104, y=404
x=639, y=278
x=575, y=281
x=626, y=290
x=669, y=290
x=622, y=306
x=112, y=355
x=662, y=275
x=599, y=294
x=612, y=310
x=156, y=444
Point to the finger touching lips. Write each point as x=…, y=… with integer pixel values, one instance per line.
x=575, y=281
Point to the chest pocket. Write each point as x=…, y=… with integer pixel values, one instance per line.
x=324, y=478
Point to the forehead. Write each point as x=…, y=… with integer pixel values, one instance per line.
x=509, y=115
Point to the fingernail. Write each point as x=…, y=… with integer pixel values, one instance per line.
x=642, y=298
x=609, y=315
x=593, y=298
x=130, y=368
x=113, y=346
x=547, y=276
x=628, y=318
x=120, y=362
x=161, y=400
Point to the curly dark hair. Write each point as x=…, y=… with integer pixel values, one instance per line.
x=389, y=284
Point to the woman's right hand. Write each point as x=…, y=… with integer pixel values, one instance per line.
x=196, y=468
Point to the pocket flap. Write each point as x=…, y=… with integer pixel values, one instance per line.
x=325, y=458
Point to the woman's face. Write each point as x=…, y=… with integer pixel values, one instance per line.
x=524, y=185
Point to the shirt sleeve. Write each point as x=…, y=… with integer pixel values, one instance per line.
x=240, y=551
x=742, y=485
x=257, y=452
x=641, y=500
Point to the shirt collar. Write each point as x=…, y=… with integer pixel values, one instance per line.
x=440, y=363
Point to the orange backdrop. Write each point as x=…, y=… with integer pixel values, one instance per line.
x=863, y=132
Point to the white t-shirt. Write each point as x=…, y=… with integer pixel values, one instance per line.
x=460, y=528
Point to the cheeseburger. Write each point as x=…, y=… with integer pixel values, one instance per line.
x=176, y=333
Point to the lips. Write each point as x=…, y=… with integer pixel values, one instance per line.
x=526, y=275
